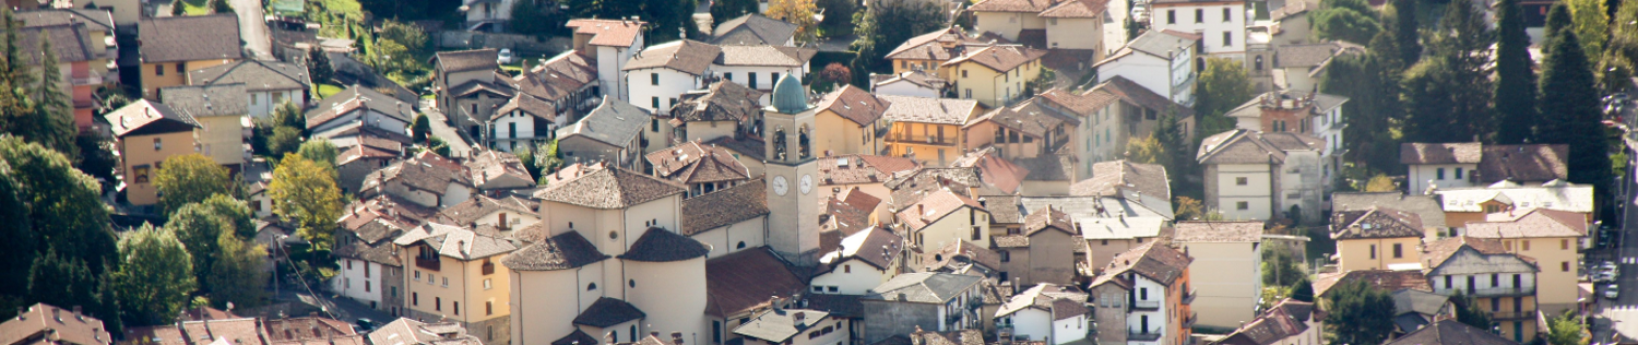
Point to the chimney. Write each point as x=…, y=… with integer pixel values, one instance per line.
x=77, y=315
x=608, y=337
x=799, y=317
x=655, y=334
x=676, y=338
x=20, y=314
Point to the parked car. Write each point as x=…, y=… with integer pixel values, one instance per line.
x=506, y=56
x=1612, y=291
x=1140, y=13
x=1612, y=268
x=365, y=325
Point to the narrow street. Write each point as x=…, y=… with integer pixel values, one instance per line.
x=1616, y=321
x=458, y=144
x=253, y=28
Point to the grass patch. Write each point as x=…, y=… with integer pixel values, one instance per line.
x=325, y=90
x=196, y=7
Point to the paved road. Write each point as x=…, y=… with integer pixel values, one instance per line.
x=253, y=28
x=1621, y=315
x=459, y=146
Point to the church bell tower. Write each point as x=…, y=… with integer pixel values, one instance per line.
x=788, y=124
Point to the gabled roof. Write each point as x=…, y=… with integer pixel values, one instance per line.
x=189, y=38
x=929, y=110
x=939, y=45
x=724, y=207
x=1468, y=260
x=201, y=101
x=959, y=257
x=848, y=212
x=874, y=246
x=1028, y=6
x=94, y=19
x=455, y=242
x=1384, y=280
x=358, y=97
x=854, y=168
x=1219, y=231
x=614, y=122
x=920, y=78
x=691, y=163
x=558, y=77
x=778, y=325
x=480, y=205
x=1287, y=319
x=1158, y=262
x=1314, y=55
x=467, y=60
x=607, y=312
x=753, y=29
x=1243, y=146
x=1375, y=222
x=923, y=287
x=491, y=165
x=685, y=55
x=1119, y=177
x=743, y=281
x=1537, y=162
x=661, y=245
x=604, y=187
x=257, y=75
x=934, y=207
x=1029, y=117
x=1049, y=218
x=1451, y=332
x=1440, y=153
x=564, y=251
x=723, y=101
x=608, y=32
x=1425, y=207
x=427, y=172
x=1530, y=223
x=70, y=43
x=854, y=104
x=764, y=56
x=1046, y=297
x=993, y=169
x=1157, y=43
x=1001, y=58
x=144, y=116
x=1076, y=9
x=55, y=326
x=1554, y=195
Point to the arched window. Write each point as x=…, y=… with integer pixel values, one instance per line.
x=741, y=245
x=779, y=144
x=1259, y=62
x=802, y=143
x=632, y=283
x=591, y=287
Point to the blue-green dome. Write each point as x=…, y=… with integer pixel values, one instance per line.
x=788, y=95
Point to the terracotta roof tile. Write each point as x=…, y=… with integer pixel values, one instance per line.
x=724, y=101
x=688, y=56
x=1002, y=58
x=1530, y=223
x=743, y=281
x=753, y=29
x=1031, y=6
x=929, y=110
x=854, y=104
x=65, y=325
x=724, y=207
x=1157, y=262
x=1049, y=218
x=1077, y=9
x=1118, y=177
x=607, y=32
x=1376, y=222
x=1539, y=162
x=1209, y=231
x=993, y=169
x=1439, y=153
x=604, y=187
x=854, y=169
x=934, y=207
x=1380, y=279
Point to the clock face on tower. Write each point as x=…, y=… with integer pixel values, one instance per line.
x=780, y=186
x=806, y=184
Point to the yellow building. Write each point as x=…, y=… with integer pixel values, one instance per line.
x=457, y=275
x=943, y=218
x=1501, y=282
x=927, y=129
x=930, y=50
x=172, y=46
x=993, y=75
x=850, y=121
x=1552, y=238
x=1376, y=239
x=139, y=125
x=222, y=111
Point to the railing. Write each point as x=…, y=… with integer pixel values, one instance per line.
x=921, y=139
x=1188, y=296
x=431, y=264
x=86, y=80
x=1141, y=335
x=1528, y=314
x=1504, y=291
x=1189, y=321
x=1146, y=305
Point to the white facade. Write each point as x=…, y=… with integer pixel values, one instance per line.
x=905, y=88
x=262, y=103
x=1114, y=26
x=1328, y=125
x=1069, y=330
x=745, y=234
x=611, y=61
x=657, y=89
x=1172, y=76
x=360, y=117
x=1221, y=25
x=1148, y=311
x=760, y=78
x=517, y=129
x=851, y=277
x=1503, y=284
x=1072, y=33
x=1033, y=323
x=359, y=280
x=1443, y=175
x=478, y=11
x=1245, y=191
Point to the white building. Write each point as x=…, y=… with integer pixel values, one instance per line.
x=795, y=327
x=611, y=42
x=1046, y=312
x=1311, y=113
x=1252, y=175
x=759, y=67
x=268, y=83
x=357, y=107
x=1220, y=24
x=867, y=259
x=1142, y=297
x=1162, y=61
x=487, y=15
x=917, y=83
x=1232, y=252
x=1461, y=165
x=659, y=75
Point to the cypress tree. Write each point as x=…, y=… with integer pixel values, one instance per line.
x=1405, y=27
x=53, y=110
x=1558, y=18
x=1515, y=95
x=1572, y=109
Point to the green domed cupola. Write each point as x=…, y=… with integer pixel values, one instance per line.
x=788, y=96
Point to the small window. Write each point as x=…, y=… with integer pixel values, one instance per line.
x=654, y=79
x=963, y=74
x=488, y=308
x=741, y=244
x=438, y=303
x=591, y=287
x=457, y=306
x=632, y=283
x=1439, y=174
x=158, y=144
x=487, y=285
x=729, y=76
x=1242, y=205
x=1398, y=250
x=1564, y=244
x=1241, y=181
x=847, y=268
x=1199, y=15
x=1228, y=38
x=1526, y=245
x=1171, y=16
x=1373, y=251
x=1564, y=266
x=654, y=102
x=1006, y=256
x=159, y=70
x=1458, y=173
x=1227, y=17
x=179, y=68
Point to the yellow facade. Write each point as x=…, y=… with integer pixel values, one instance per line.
x=1515, y=317
x=222, y=139
x=1377, y=253
x=965, y=224
x=141, y=156
x=906, y=65
x=990, y=87
x=836, y=135
x=156, y=75
x=1556, y=257
x=932, y=144
x=469, y=291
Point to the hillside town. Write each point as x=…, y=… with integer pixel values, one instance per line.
x=710, y=172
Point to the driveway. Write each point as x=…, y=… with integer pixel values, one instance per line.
x=1616, y=322
x=253, y=28
x=459, y=146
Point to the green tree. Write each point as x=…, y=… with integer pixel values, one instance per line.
x=178, y=7
x=188, y=179
x=285, y=140
x=305, y=192
x=54, y=118
x=1146, y=150
x=1592, y=25
x=63, y=204
x=887, y=24
x=220, y=6
x=1381, y=183
x=1515, y=77
x=1558, y=18
x=421, y=129
x=1303, y=289
x=1347, y=20
x=547, y=159
x=1042, y=82
x=799, y=12
x=235, y=213
x=287, y=114
x=1464, y=41
x=1574, y=111
x=320, y=150
x=1221, y=87
x=723, y=10
x=318, y=65
x=96, y=157
x=838, y=17
x=1469, y=311
x=1180, y=160
x=198, y=228
x=1407, y=32
x=526, y=156
x=1620, y=58
x=237, y=275
x=1280, y=266
x=18, y=231
x=1371, y=82
x=1564, y=329
x=1359, y=314
x=156, y=278
x=61, y=281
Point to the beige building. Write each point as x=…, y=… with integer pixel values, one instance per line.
x=478, y=295
x=927, y=129
x=172, y=46
x=1109, y=225
x=1552, y=238
x=1289, y=322
x=849, y=121
x=944, y=217
x=1043, y=251
x=1378, y=238
x=139, y=125
x=994, y=75
x=223, y=114
x=1228, y=269
x=1074, y=24
x=1501, y=282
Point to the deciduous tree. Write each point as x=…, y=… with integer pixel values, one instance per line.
x=1621, y=54
x=1347, y=20
x=63, y=204
x=799, y=12
x=188, y=179
x=1221, y=87
x=156, y=278
x=1359, y=314
x=305, y=192
x=198, y=228
x=888, y=23
x=237, y=275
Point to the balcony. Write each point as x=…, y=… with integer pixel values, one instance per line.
x=429, y=263
x=921, y=139
x=1188, y=297
x=1146, y=305
x=1189, y=321
x=1141, y=335
x=1528, y=314
x=86, y=80
x=1505, y=291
